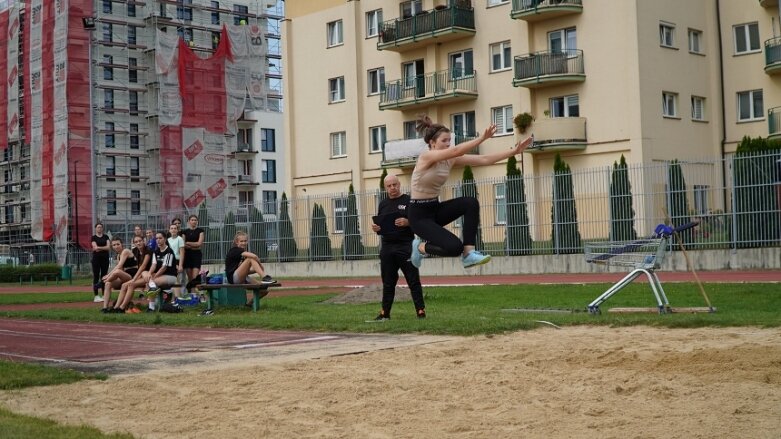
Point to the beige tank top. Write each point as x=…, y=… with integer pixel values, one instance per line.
x=427, y=183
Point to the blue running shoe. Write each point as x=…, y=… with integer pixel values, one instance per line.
x=475, y=258
x=416, y=257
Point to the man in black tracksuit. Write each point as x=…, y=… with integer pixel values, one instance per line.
x=392, y=225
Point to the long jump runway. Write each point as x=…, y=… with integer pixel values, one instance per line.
x=128, y=349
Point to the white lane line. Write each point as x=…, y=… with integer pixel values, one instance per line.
x=28, y=357
x=298, y=340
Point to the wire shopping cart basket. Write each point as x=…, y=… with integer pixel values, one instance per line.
x=643, y=256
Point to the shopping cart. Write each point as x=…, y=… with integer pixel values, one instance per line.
x=643, y=256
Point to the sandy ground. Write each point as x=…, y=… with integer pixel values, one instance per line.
x=591, y=382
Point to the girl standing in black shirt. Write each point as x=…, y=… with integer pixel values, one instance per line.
x=100, y=249
x=193, y=241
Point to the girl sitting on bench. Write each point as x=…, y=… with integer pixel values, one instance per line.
x=240, y=263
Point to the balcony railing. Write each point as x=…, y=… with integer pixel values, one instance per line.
x=536, y=10
x=774, y=123
x=444, y=24
x=546, y=68
x=403, y=153
x=446, y=85
x=559, y=134
x=773, y=56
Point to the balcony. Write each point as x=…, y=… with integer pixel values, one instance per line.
x=245, y=180
x=773, y=56
x=403, y=153
x=538, y=10
x=774, y=123
x=423, y=90
x=544, y=69
x=245, y=150
x=558, y=134
x=768, y=3
x=436, y=25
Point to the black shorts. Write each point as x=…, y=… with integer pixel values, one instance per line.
x=132, y=271
x=192, y=258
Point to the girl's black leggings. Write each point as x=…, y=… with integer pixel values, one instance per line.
x=427, y=219
x=99, y=269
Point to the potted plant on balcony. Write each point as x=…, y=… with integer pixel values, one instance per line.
x=523, y=121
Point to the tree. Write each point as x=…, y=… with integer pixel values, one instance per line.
x=229, y=231
x=756, y=179
x=352, y=245
x=564, y=215
x=319, y=242
x=622, y=215
x=383, y=192
x=469, y=189
x=519, y=239
x=257, y=233
x=677, y=203
x=288, y=250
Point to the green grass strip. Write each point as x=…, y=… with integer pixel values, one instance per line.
x=13, y=426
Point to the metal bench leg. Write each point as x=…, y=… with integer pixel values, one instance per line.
x=657, y=285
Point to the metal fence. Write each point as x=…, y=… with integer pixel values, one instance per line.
x=736, y=201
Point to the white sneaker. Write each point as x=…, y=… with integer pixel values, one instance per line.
x=98, y=299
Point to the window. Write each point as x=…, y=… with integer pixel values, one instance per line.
x=409, y=130
x=501, y=57
x=746, y=38
x=335, y=37
x=135, y=202
x=9, y=214
x=376, y=81
x=107, y=6
x=134, y=136
x=497, y=2
x=669, y=104
x=135, y=170
x=270, y=202
x=132, y=73
x=698, y=108
x=461, y=64
x=182, y=12
x=377, y=135
x=244, y=139
x=108, y=32
x=111, y=202
x=373, y=22
x=563, y=40
x=131, y=9
x=240, y=14
x=500, y=203
x=503, y=118
x=701, y=199
x=463, y=127
x=108, y=71
x=109, y=136
x=269, y=171
x=750, y=106
x=410, y=8
x=267, y=140
x=108, y=99
x=338, y=144
x=695, y=41
x=133, y=104
x=410, y=72
x=245, y=167
x=186, y=34
x=111, y=167
x=246, y=198
x=336, y=89
x=666, y=34
x=340, y=213
x=565, y=106
x=215, y=14
x=131, y=35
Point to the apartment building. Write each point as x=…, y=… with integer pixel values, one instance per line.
x=125, y=164
x=649, y=80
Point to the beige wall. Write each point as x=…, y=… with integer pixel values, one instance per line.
x=621, y=98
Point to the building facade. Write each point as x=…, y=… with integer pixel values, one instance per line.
x=649, y=80
x=119, y=149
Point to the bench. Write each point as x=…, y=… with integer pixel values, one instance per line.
x=45, y=276
x=258, y=291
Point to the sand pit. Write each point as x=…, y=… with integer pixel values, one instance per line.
x=591, y=382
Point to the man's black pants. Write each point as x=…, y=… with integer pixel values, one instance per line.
x=394, y=256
